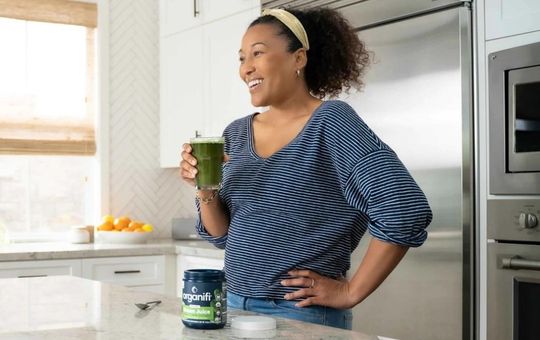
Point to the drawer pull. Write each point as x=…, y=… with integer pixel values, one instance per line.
x=27, y=276
x=127, y=271
x=195, y=9
x=517, y=262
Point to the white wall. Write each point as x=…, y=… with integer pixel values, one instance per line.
x=133, y=182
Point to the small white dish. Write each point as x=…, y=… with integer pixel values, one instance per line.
x=79, y=234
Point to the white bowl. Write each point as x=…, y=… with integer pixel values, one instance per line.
x=121, y=237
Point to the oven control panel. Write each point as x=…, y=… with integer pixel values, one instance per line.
x=513, y=220
x=528, y=220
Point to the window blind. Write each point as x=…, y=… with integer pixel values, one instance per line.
x=27, y=125
x=57, y=11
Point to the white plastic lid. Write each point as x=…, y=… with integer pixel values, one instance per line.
x=253, y=323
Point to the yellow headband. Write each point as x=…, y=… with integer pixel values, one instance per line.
x=291, y=22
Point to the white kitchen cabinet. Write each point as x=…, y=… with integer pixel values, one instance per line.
x=186, y=262
x=218, y=9
x=200, y=89
x=178, y=15
x=23, y=269
x=228, y=96
x=511, y=17
x=139, y=272
x=181, y=92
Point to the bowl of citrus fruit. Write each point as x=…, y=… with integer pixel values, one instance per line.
x=122, y=230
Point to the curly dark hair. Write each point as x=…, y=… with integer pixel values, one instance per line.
x=337, y=58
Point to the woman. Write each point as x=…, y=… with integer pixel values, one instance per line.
x=305, y=179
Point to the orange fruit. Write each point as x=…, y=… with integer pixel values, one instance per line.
x=107, y=219
x=121, y=223
x=135, y=224
x=105, y=227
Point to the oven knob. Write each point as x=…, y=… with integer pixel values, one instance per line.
x=528, y=220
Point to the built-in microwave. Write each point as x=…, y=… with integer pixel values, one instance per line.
x=514, y=120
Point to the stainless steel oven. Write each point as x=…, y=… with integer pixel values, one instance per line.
x=514, y=120
x=513, y=272
x=513, y=232
x=513, y=292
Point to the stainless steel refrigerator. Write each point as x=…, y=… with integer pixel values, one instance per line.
x=418, y=99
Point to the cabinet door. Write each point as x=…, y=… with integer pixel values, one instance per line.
x=228, y=96
x=140, y=272
x=181, y=93
x=511, y=17
x=178, y=15
x=217, y=9
x=24, y=269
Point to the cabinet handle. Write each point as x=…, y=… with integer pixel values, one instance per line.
x=27, y=276
x=195, y=9
x=127, y=271
x=517, y=262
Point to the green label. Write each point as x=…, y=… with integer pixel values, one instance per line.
x=197, y=312
x=204, y=302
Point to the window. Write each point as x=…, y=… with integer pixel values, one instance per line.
x=47, y=117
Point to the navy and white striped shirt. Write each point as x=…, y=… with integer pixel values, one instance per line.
x=308, y=205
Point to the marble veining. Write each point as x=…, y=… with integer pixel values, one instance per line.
x=64, y=307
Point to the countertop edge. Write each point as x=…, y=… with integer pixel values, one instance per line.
x=66, y=251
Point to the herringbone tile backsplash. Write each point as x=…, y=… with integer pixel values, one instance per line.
x=139, y=188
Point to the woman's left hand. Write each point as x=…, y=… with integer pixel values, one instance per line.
x=318, y=290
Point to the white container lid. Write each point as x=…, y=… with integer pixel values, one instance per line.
x=253, y=323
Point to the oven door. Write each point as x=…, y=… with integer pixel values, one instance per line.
x=523, y=143
x=514, y=119
x=513, y=291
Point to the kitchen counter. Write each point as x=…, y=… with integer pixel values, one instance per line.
x=64, y=307
x=56, y=251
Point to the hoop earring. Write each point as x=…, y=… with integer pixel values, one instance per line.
x=298, y=73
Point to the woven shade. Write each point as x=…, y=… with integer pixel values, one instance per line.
x=20, y=131
x=53, y=138
x=57, y=11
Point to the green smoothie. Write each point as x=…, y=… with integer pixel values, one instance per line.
x=209, y=154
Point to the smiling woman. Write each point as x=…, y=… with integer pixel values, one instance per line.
x=306, y=179
x=337, y=47
x=47, y=138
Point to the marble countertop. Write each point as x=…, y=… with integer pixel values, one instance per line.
x=56, y=251
x=64, y=307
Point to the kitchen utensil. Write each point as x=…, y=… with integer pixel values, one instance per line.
x=144, y=306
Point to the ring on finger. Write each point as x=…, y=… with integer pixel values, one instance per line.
x=312, y=283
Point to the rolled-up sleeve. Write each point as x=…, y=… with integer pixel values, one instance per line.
x=218, y=241
x=381, y=186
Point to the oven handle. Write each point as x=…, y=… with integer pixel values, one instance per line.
x=516, y=262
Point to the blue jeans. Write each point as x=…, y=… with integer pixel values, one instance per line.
x=341, y=318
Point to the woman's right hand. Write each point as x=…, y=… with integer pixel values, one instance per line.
x=188, y=169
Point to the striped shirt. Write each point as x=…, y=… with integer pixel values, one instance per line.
x=309, y=204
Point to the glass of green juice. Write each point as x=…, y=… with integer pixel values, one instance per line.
x=209, y=154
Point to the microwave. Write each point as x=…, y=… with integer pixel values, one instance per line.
x=514, y=120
